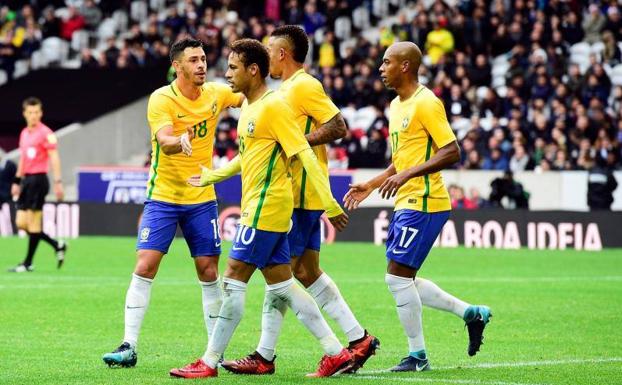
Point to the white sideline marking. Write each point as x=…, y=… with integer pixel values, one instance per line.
x=443, y=380
x=56, y=282
x=519, y=364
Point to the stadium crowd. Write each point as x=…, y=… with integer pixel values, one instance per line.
x=526, y=84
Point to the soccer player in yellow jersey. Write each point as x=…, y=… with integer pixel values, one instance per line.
x=320, y=120
x=182, y=117
x=268, y=139
x=422, y=144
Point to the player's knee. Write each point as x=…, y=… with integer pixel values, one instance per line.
x=147, y=265
x=208, y=273
x=301, y=274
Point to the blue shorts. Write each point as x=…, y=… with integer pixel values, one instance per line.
x=199, y=224
x=306, y=232
x=412, y=234
x=260, y=248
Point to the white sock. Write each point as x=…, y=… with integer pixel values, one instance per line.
x=212, y=301
x=408, y=309
x=229, y=317
x=308, y=313
x=136, y=303
x=274, y=308
x=433, y=296
x=330, y=300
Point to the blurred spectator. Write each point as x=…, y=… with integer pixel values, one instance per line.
x=458, y=199
x=611, y=52
x=87, y=59
x=224, y=147
x=476, y=200
x=312, y=19
x=337, y=159
x=495, y=161
x=72, y=23
x=375, y=154
x=601, y=185
x=614, y=22
x=50, y=24
x=92, y=14
x=328, y=52
x=507, y=187
x=439, y=41
x=593, y=23
x=520, y=161
x=7, y=173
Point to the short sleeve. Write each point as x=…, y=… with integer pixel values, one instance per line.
x=282, y=126
x=50, y=142
x=228, y=97
x=158, y=113
x=313, y=101
x=431, y=113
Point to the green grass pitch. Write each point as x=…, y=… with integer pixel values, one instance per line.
x=557, y=317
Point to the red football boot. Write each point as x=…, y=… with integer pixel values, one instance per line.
x=331, y=365
x=197, y=369
x=251, y=364
x=361, y=351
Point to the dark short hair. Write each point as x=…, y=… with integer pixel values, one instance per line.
x=32, y=101
x=179, y=47
x=251, y=51
x=298, y=39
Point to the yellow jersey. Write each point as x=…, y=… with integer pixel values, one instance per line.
x=168, y=107
x=312, y=108
x=418, y=127
x=268, y=137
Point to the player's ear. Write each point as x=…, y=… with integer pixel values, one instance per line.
x=405, y=66
x=281, y=53
x=254, y=68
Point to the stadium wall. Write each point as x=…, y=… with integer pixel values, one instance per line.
x=486, y=228
x=565, y=190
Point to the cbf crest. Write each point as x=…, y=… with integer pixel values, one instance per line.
x=405, y=123
x=250, y=129
x=214, y=108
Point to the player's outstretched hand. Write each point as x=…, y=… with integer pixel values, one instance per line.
x=195, y=180
x=340, y=221
x=389, y=187
x=357, y=193
x=203, y=179
x=186, y=141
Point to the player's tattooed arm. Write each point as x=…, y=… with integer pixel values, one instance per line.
x=328, y=132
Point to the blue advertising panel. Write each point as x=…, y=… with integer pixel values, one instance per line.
x=129, y=185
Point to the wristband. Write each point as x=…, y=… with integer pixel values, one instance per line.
x=17, y=180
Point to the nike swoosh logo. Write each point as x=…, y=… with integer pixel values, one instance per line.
x=218, y=244
x=181, y=116
x=239, y=248
x=134, y=307
x=420, y=368
x=399, y=251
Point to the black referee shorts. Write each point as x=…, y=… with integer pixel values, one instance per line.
x=34, y=189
